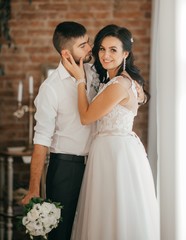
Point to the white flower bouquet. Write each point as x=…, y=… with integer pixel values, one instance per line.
x=40, y=217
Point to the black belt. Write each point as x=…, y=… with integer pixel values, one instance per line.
x=68, y=157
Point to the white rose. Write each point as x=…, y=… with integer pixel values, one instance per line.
x=25, y=220
x=47, y=222
x=37, y=232
x=57, y=213
x=47, y=207
x=53, y=220
x=50, y=222
x=33, y=215
x=37, y=207
x=30, y=226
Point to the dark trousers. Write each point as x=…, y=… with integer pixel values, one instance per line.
x=63, y=183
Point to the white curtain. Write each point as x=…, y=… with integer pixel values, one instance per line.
x=167, y=116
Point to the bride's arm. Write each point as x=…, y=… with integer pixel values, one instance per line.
x=104, y=102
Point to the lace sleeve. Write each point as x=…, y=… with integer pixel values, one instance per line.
x=123, y=81
x=126, y=82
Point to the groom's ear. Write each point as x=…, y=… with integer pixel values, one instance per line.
x=65, y=53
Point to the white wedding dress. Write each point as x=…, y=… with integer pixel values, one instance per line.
x=117, y=199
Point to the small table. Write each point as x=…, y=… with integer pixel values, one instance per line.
x=9, y=157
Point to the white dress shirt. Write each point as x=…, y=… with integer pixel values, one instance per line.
x=57, y=118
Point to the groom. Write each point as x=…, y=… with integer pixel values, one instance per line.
x=59, y=129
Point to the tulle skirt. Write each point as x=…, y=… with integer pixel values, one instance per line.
x=117, y=199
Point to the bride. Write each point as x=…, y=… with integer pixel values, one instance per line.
x=117, y=199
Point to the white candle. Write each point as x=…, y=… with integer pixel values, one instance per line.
x=31, y=84
x=20, y=91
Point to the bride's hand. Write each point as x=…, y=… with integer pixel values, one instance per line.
x=142, y=98
x=77, y=71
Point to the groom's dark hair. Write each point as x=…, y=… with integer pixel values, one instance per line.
x=65, y=32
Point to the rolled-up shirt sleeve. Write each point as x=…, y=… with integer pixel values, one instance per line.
x=46, y=111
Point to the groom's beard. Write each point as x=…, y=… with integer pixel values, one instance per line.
x=86, y=59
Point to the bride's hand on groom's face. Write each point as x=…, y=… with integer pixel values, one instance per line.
x=77, y=71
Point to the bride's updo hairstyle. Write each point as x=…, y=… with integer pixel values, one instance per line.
x=125, y=36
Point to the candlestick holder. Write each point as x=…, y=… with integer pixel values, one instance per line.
x=20, y=112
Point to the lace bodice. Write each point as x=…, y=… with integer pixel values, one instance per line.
x=117, y=122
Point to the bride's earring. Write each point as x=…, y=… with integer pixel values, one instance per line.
x=124, y=63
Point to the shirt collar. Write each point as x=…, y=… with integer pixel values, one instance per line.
x=64, y=73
